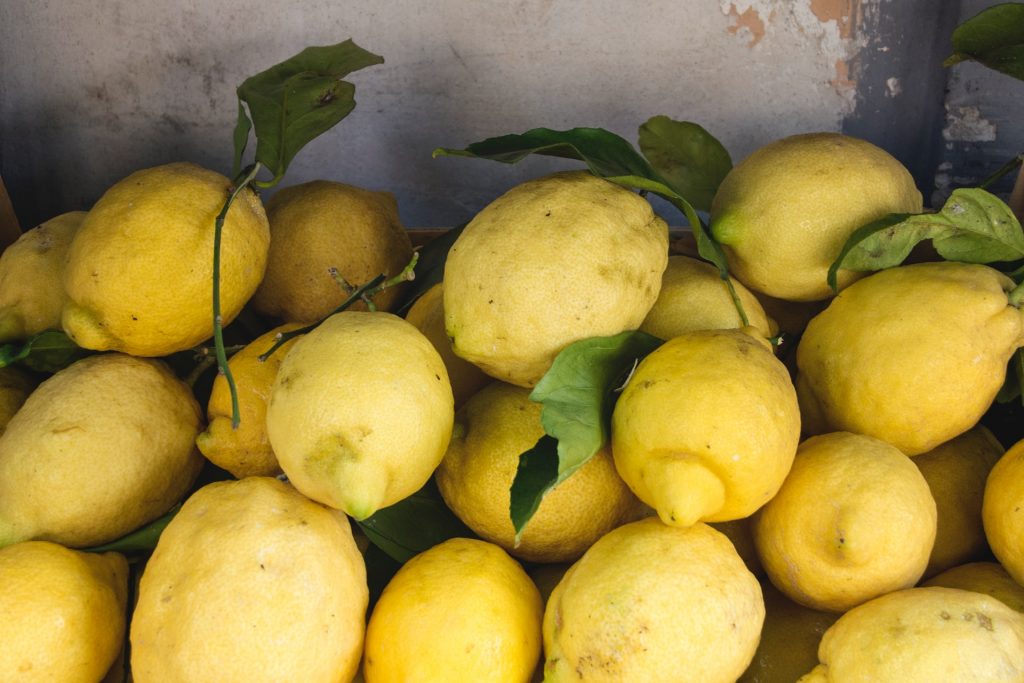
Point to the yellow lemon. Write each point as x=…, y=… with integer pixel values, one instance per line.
x=245, y=451
x=139, y=271
x=491, y=430
x=956, y=473
x=923, y=635
x=361, y=412
x=427, y=314
x=789, y=639
x=854, y=520
x=1002, y=511
x=98, y=450
x=784, y=212
x=913, y=355
x=323, y=225
x=463, y=611
x=62, y=612
x=694, y=297
x=707, y=427
x=31, y=291
x=651, y=603
x=983, y=577
x=552, y=261
x=250, y=582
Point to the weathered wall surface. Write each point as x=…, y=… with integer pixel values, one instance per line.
x=92, y=91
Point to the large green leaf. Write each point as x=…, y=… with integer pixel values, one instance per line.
x=994, y=37
x=691, y=160
x=413, y=525
x=611, y=157
x=974, y=226
x=578, y=393
x=47, y=352
x=297, y=100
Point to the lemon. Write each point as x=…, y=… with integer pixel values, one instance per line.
x=707, y=427
x=923, y=635
x=251, y=582
x=650, y=603
x=552, y=261
x=427, y=314
x=956, y=473
x=913, y=355
x=789, y=639
x=983, y=577
x=245, y=451
x=98, y=450
x=694, y=297
x=1002, y=511
x=62, y=612
x=139, y=270
x=461, y=611
x=31, y=291
x=320, y=225
x=361, y=412
x=854, y=520
x=491, y=430
x=784, y=212
x=15, y=387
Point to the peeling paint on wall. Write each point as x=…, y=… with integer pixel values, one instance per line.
x=966, y=124
x=748, y=24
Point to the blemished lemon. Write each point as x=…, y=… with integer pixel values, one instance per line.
x=360, y=412
x=427, y=314
x=649, y=603
x=31, y=270
x=913, y=355
x=923, y=635
x=245, y=451
x=783, y=213
x=956, y=472
x=854, y=520
x=789, y=639
x=492, y=429
x=983, y=577
x=554, y=260
x=694, y=297
x=251, y=581
x=323, y=225
x=139, y=271
x=99, y=449
x=62, y=612
x=461, y=612
x=1002, y=511
x=707, y=427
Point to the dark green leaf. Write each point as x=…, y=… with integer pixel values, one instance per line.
x=242, y=128
x=688, y=157
x=413, y=525
x=1011, y=388
x=577, y=394
x=297, y=100
x=974, y=226
x=430, y=267
x=47, y=352
x=141, y=540
x=994, y=37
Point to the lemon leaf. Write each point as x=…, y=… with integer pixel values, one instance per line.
x=974, y=226
x=430, y=267
x=48, y=352
x=414, y=524
x=691, y=160
x=241, y=139
x=577, y=393
x=141, y=540
x=993, y=37
x=295, y=101
x=1011, y=388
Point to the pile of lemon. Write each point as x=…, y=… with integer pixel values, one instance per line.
x=841, y=516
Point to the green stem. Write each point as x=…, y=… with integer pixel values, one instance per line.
x=1009, y=166
x=218, y=320
x=1016, y=295
x=368, y=290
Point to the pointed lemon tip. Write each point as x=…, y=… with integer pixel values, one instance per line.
x=683, y=490
x=82, y=325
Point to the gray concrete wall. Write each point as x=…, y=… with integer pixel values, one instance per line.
x=90, y=91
